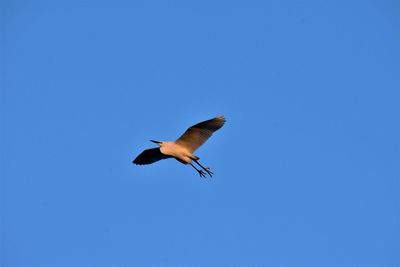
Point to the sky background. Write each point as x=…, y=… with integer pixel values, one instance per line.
x=307, y=167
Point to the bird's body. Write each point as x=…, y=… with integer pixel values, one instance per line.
x=177, y=151
x=182, y=149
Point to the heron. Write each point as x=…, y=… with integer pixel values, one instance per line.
x=183, y=148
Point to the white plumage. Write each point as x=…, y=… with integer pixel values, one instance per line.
x=182, y=149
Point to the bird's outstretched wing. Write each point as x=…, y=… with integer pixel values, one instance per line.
x=196, y=135
x=149, y=156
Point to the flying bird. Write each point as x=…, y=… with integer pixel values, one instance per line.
x=182, y=149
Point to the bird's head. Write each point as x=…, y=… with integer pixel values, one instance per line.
x=156, y=142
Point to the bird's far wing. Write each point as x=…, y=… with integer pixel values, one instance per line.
x=196, y=135
x=149, y=156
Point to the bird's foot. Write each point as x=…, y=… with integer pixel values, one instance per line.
x=208, y=170
x=202, y=173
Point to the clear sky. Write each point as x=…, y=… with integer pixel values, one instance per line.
x=307, y=167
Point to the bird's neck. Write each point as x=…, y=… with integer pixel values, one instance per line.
x=166, y=144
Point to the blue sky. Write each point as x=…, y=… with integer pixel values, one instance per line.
x=307, y=167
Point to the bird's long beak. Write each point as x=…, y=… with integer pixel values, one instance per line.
x=157, y=142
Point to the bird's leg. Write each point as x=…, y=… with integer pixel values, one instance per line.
x=205, y=168
x=201, y=172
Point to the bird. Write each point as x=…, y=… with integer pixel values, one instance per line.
x=183, y=148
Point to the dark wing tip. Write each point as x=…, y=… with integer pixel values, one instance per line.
x=137, y=161
x=149, y=156
x=221, y=118
x=213, y=124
